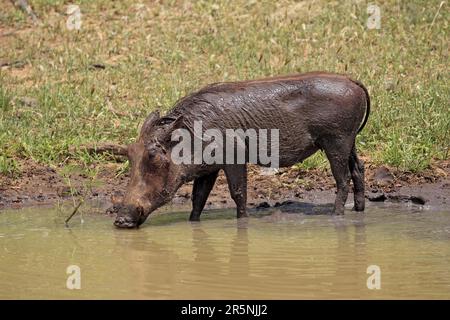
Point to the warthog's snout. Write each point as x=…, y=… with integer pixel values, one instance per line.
x=125, y=222
x=129, y=217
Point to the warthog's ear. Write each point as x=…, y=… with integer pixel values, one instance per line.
x=172, y=124
x=149, y=123
x=165, y=120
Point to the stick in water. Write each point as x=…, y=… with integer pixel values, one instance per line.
x=73, y=212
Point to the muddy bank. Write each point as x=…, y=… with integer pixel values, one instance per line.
x=38, y=184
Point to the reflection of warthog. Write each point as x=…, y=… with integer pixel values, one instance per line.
x=311, y=111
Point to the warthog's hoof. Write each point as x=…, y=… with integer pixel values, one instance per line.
x=338, y=212
x=358, y=208
x=194, y=217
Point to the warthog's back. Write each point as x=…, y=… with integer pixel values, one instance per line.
x=305, y=108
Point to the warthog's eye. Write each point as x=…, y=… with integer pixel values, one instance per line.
x=162, y=149
x=155, y=149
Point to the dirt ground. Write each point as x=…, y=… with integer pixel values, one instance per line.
x=39, y=184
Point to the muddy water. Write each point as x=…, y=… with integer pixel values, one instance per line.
x=273, y=255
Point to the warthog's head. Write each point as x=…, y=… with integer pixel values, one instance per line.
x=154, y=176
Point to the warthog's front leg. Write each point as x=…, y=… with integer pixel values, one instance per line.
x=200, y=192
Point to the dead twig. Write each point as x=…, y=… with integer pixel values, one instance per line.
x=97, y=66
x=66, y=222
x=114, y=111
x=13, y=64
x=437, y=14
x=25, y=7
x=117, y=151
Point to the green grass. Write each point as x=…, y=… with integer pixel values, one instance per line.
x=158, y=53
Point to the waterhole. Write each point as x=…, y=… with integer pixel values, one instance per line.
x=271, y=255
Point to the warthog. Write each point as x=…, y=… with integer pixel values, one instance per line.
x=311, y=111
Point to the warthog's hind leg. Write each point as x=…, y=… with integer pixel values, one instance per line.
x=338, y=153
x=357, y=172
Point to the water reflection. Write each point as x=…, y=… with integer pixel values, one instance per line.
x=351, y=236
x=239, y=252
x=280, y=255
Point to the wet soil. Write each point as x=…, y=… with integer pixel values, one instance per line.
x=39, y=184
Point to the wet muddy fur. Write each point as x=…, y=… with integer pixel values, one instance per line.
x=312, y=111
x=344, y=162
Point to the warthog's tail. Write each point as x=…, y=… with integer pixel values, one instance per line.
x=366, y=117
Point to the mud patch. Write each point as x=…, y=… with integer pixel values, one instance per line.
x=39, y=184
